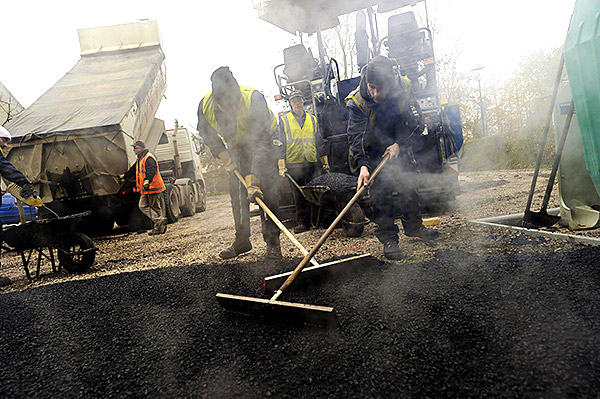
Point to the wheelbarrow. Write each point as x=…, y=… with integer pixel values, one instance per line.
x=331, y=202
x=76, y=251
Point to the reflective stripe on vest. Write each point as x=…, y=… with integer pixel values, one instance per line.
x=300, y=141
x=208, y=110
x=361, y=103
x=273, y=126
x=157, y=185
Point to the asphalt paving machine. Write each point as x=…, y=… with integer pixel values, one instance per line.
x=437, y=148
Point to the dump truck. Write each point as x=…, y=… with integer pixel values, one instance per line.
x=75, y=140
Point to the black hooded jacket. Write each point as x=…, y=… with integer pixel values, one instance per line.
x=372, y=127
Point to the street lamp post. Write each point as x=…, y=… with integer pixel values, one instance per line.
x=477, y=68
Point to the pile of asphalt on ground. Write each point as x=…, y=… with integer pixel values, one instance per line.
x=335, y=181
x=455, y=325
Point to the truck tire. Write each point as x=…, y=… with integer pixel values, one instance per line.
x=100, y=222
x=189, y=201
x=201, y=203
x=138, y=222
x=171, y=203
x=97, y=226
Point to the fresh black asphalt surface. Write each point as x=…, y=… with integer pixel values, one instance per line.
x=459, y=325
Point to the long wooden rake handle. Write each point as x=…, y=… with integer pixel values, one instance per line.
x=328, y=232
x=276, y=220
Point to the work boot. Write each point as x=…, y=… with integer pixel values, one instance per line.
x=235, y=250
x=4, y=281
x=273, y=252
x=301, y=228
x=163, y=225
x=392, y=251
x=423, y=233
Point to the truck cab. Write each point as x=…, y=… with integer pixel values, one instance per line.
x=179, y=153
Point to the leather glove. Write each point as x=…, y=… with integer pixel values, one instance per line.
x=325, y=163
x=282, y=169
x=252, y=183
x=146, y=184
x=227, y=162
x=28, y=191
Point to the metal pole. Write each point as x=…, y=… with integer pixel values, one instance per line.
x=374, y=38
x=321, y=48
x=481, y=107
x=427, y=17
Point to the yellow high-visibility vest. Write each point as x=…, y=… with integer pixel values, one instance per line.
x=300, y=141
x=208, y=110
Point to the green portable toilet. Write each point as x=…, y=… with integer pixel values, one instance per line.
x=582, y=59
x=578, y=198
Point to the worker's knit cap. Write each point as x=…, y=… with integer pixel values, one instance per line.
x=380, y=71
x=225, y=88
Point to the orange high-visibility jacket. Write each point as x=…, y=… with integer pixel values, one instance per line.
x=157, y=185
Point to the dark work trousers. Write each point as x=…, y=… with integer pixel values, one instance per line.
x=239, y=198
x=399, y=175
x=303, y=173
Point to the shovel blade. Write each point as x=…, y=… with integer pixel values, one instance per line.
x=267, y=309
x=539, y=219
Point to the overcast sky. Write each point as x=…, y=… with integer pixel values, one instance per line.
x=40, y=41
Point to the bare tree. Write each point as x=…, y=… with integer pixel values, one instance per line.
x=9, y=106
x=339, y=44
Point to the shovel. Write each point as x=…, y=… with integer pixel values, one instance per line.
x=308, y=313
x=542, y=218
x=297, y=186
x=276, y=220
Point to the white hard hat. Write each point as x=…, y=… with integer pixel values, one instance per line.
x=4, y=133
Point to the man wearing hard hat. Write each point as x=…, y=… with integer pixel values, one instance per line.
x=12, y=174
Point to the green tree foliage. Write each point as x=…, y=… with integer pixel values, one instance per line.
x=515, y=108
x=516, y=112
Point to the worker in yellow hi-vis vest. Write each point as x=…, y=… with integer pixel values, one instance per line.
x=237, y=125
x=300, y=153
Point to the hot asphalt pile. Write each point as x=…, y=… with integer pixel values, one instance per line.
x=456, y=325
x=335, y=181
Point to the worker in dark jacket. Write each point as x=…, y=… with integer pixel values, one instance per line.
x=384, y=118
x=12, y=174
x=298, y=132
x=237, y=126
x=150, y=185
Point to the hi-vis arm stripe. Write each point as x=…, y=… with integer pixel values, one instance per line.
x=155, y=189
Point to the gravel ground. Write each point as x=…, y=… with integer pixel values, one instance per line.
x=479, y=313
